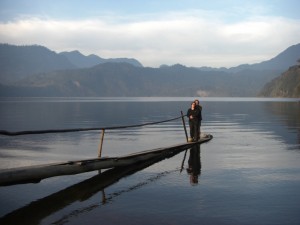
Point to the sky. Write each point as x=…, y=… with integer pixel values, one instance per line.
x=197, y=33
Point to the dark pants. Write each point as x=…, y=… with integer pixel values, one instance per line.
x=194, y=169
x=198, y=128
x=194, y=129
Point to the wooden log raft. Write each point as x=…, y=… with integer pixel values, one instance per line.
x=34, y=174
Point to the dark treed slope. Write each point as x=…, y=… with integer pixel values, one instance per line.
x=122, y=79
x=286, y=85
x=118, y=79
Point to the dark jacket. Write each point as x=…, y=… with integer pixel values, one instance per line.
x=199, y=108
x=194, y=113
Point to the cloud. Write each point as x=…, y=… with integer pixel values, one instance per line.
x=194, y=38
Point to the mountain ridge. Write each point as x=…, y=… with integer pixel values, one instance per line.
x=281, y=61
x=82, y=61
x=18, y=62
x=126, y=79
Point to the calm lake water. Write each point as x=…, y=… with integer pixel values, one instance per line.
x=249, y=173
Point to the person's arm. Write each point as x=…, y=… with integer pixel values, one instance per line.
x=196, y=113
x=188, y=113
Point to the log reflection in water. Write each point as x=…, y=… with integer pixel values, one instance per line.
x=36, y=211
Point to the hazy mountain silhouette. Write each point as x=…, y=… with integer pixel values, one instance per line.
x=281, y=62
x=82, y=61
x=18, y=62
x=125, y=79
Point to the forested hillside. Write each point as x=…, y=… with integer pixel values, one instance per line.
x=286, y=85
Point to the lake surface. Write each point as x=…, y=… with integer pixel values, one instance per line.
x=249, y=173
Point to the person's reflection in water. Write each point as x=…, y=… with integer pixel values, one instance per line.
x=194, y=162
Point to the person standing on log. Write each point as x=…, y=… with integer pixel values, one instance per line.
x=193, y=115
x=199, y=107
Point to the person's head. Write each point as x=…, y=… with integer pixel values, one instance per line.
x=193, y=104
x=197, y=102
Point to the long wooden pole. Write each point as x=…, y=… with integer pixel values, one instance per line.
x=187, y=139
x=101, y=144
x=183, y=122
x=182, y=164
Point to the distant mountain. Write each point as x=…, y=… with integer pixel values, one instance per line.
x=125, y=79
x=17, y=62
x=286, y=85
x=82, y=61
x=281, y=62
x=111, y=79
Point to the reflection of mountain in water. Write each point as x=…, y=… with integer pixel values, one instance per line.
x=287, y=114
x=279, y=117
x=45, y=114
x=56, y=113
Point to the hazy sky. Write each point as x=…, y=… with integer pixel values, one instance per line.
x=190, y=32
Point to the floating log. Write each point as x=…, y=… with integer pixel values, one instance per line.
x=35, y=212
x=34, y=174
